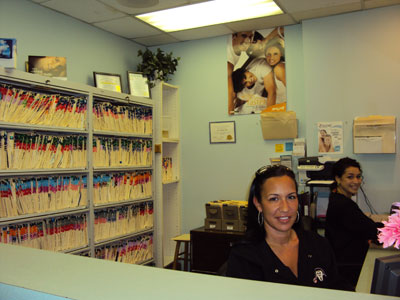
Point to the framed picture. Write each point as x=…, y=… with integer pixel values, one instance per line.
x=108, y=81
x=51, y=66
x=222, y=132
x=138, y=85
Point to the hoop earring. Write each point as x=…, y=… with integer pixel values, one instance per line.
x=298, y=217
x=260, y=219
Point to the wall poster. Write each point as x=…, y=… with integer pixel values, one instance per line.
x=256, y=71
x=330, y=137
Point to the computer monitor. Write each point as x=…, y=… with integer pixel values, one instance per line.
x=386, y=278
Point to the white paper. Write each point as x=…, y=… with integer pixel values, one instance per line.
x=370, y=144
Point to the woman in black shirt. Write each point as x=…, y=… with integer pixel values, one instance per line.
x=274, y=249
x=347, y=228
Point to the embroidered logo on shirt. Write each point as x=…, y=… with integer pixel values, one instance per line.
x=319, y=275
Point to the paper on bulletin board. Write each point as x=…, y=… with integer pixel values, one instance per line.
x=279, y=148
x=330, y=137
x=374, y=134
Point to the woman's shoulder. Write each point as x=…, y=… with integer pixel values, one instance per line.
x=246, y=249
x=279, y=70
x=339, y=199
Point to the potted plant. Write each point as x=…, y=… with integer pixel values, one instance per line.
x=157, y=65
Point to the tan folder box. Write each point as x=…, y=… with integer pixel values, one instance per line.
x=213, y=224
x=279, y=125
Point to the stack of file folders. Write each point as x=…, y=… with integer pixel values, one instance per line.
x=226, y=215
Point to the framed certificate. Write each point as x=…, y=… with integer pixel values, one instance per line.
x=138, y=84
x=108, y=81
x=222, y=132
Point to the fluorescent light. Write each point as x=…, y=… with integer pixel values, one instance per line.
x=209, y=13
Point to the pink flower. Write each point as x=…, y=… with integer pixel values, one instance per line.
x=390, y=233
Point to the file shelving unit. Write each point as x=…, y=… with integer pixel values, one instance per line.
x=87, y=170
x=168, y=191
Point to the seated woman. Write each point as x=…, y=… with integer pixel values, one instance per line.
x=347, y=228
x=274, y=249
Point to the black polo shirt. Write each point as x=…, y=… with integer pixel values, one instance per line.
x=348, y=229
x=316, y=263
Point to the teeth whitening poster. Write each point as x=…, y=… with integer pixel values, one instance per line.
x=330, y=137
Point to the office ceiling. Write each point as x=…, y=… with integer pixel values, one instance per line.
x=118, y=16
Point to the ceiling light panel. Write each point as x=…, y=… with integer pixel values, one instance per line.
x=209, y=13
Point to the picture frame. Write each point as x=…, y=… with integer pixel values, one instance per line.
x=108, y=81
x=222, y=132
x=138, y=84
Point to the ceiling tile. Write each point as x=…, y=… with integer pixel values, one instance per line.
x=291, y=6
x=156, y=40
x=261, y=23
x=379, y=3
x=112, y=16
x=328, y=11
x=88, y=10
x=163, y=4
x=128, y=27
x=200, y=33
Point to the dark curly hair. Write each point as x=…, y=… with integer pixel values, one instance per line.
x=340, y=167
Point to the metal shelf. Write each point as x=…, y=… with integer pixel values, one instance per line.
x=122, y=203
x=48, y=86
x=122, y=237
x=44, y=215
x=121, y=134
x=44, y=128
x=77, y=250
x=117, y=169
x=35, y=172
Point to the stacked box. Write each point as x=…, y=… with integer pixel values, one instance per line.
x=226, y=215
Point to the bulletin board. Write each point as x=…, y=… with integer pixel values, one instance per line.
x=374, y=134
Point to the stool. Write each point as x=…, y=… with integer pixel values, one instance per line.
x=184, y=238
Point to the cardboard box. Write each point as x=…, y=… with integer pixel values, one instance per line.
x=230, y=225
x=279, y=125
x=230, y=211
x=242, y=225
x=213, y=224
x=243, y=212
x=234, y=209
x=214, y=210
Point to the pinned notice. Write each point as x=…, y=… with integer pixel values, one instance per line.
x=374, y=134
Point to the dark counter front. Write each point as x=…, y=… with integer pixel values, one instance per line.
x=210, y=249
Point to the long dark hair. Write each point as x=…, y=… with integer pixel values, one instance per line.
x=254, y=231
x=340, y=167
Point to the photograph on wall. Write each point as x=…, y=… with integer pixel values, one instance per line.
x=8, y=53
x=256, y=71
x=330, y=137
x=50, y=66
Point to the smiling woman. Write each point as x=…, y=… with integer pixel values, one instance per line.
x=347, y=228
x=276, y=248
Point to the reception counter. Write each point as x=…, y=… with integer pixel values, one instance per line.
x=37, y=274
x=367, y=271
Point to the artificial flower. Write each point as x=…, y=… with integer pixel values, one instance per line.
x=390, y=234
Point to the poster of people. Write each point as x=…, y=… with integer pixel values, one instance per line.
x=330, y=137
x=51, y=66
x=256, y=71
